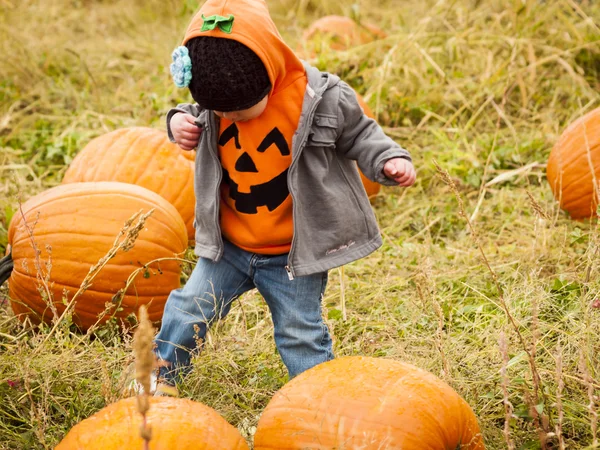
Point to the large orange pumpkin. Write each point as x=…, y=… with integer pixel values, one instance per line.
x=337, y=33
x=573, y=169
x=176, y=424
x=367, y=403
x=142, y=156
x=74, y=226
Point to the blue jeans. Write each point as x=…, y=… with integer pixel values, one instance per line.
x=301, y=336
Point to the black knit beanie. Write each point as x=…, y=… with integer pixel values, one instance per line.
x=226, y=75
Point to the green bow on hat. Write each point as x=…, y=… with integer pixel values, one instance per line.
x=225, y=24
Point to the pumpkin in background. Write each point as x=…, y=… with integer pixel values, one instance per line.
x=176, y=423
x=142, y=156
x=337, y=33
x=74, y=226
x=367, y=403
x=573, y=169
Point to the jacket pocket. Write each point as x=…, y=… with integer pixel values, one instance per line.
x=323, y=132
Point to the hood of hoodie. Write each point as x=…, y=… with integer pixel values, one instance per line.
x=253, y=27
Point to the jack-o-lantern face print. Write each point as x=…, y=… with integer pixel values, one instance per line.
x=259, y=176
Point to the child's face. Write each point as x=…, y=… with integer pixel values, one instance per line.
x=245, y=114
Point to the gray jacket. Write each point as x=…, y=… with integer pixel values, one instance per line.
x=333, y=220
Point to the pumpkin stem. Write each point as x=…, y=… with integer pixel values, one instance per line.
x=6, y=267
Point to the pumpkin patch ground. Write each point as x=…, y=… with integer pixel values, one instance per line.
x=488, y=278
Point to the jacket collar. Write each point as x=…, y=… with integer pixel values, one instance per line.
x=319, y=81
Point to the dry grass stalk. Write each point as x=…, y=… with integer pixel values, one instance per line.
x=508, y=407
x=145, y=362
x=427, y=293
x=118, y=297
x=199, y=341
x=36, y=411
x=106, y=383
x=542, y=218
x=42, y=271
x=440, y=336
x=588, y=382
x=535, y=337
x=124, y=241
x=539, y=211
x=343, y=294
x=560, y=385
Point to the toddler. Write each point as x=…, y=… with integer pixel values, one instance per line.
x=279, y=200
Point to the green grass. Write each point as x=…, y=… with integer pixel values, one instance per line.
x=481, y=87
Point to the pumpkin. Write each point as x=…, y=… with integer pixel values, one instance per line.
x=367, y=403
x=142, y=156
x=74, y=226
x=176, y=423
x=337, y=33
x=573, y=168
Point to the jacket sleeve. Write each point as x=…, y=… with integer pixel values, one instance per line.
x=363, y=140
x=187, y=108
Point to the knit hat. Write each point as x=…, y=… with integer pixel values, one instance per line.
x=226, y=75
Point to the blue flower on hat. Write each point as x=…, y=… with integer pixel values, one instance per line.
x=181, y=68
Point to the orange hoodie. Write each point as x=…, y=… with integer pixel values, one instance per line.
x=256, y=207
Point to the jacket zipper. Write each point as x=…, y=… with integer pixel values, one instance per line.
x=288, y=269
x=301, y=144
x=209, y=129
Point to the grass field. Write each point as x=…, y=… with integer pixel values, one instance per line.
x=481, y=280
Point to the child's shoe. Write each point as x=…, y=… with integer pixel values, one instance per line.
x=166, y=390
x=157, y=389
x=134, y=387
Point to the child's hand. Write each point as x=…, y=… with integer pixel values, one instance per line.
x=401, y=171
x=185, y=131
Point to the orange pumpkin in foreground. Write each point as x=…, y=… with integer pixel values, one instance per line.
x=337, y=33
x=74, y=226
x=367, y=403
x=142, y=156
x=176, y=423
x=573, y=169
